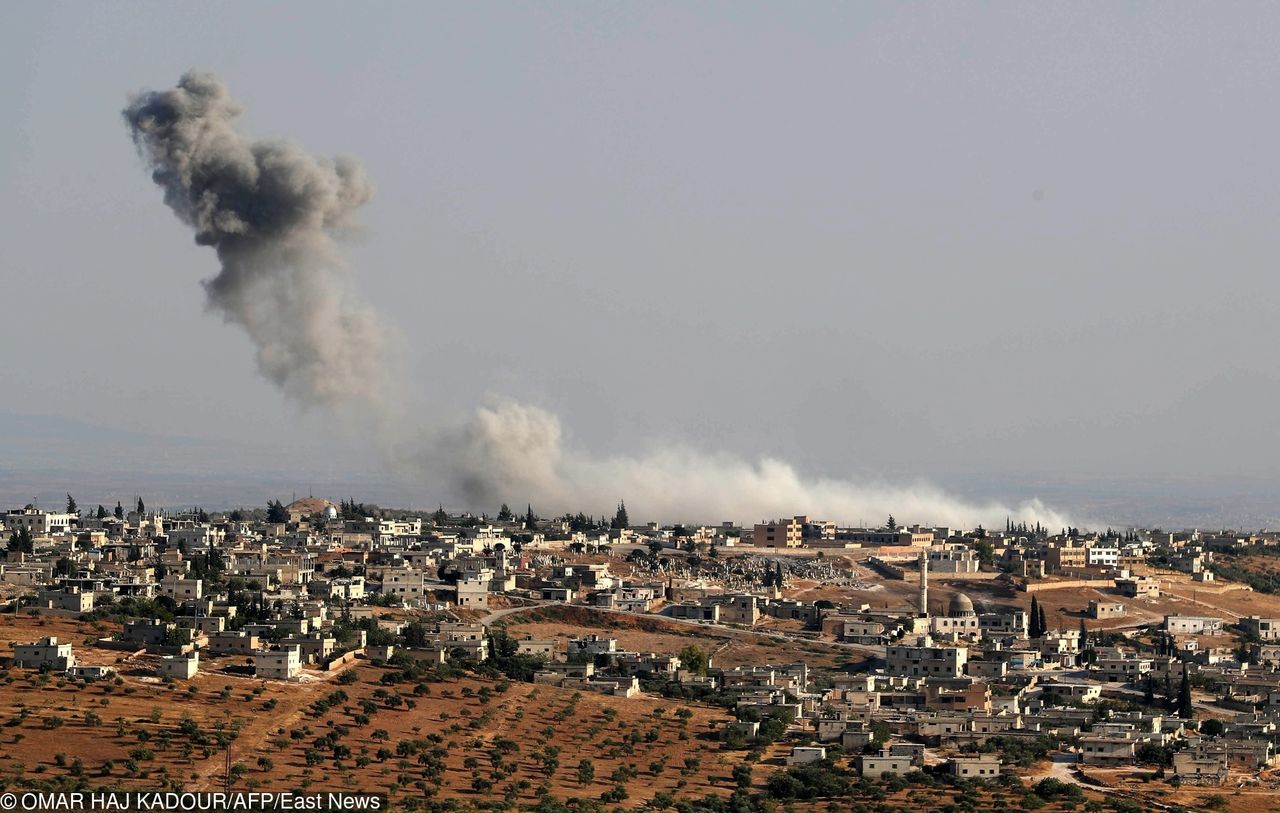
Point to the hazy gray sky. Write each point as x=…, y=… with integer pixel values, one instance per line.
x=1036, y=240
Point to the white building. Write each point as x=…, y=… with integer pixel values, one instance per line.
x=1098, y=556
x=39, y=523
x=1192, y=625
x=45, y=652
x=278, y=664
x=953, y=559
x=179, y=667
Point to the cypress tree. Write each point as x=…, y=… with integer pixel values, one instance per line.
x=620, y=519
x=1185, y=709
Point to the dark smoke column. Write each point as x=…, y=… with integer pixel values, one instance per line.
x=270, y=211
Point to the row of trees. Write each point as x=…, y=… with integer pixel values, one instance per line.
x=73, y=508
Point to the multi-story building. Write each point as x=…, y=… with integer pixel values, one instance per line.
x=1102, y=556
x=179, y=667
x=1066, y=555
x=1117, y=666
x=1138, y=587
x=1104, y=750
x=778, y=533
x=277, y=664
x=953, y=559
x=39, y=523
x=1264, y=629
x=885, y=537
x=981, y=766
x=924, y=661
x=46, y=652
x=233, y=643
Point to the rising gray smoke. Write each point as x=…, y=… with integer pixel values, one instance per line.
x=271, y=212
x=269, y=209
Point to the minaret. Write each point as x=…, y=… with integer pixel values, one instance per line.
x=924, y=584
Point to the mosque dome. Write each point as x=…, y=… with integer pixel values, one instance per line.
x=960, y=604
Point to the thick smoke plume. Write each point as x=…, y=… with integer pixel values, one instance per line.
x=269, y=209
x=271, y=212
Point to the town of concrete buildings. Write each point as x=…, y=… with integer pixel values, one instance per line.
x=303, y=592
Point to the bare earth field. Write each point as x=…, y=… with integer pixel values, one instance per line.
x=470, y=739
x=728, y=647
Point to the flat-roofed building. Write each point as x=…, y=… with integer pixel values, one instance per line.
x=179, y=667
x=46, y=652
x=1264, y=629
x=1107, y=750
x=1193, y=625
x=1105, y=609
x=980, y=766
x=778, y=533
x=926, y=661
x=277, y=664
x=875, y=765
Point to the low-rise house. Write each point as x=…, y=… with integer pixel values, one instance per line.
x=1068, y=693
x=156, y=633
x=1105, y=609
x=804, y=755
x=979, y=766
x=1005, y=622
x=204, y=624
x=747, y=729
x=1192, y=625
x=91, y=672
x=233, y=643
x=547, y=649
x=913, y=751
x=592, y=645
x=179, y=667
x=875, y=765
x=277, y=664
x=44, y=653
x=1105, y=750
x=312, y=648
x=853, y=629
x=69, y=598
x=1138, y=587
x=1200, y=767
x=180, y=589
x=1119, y=666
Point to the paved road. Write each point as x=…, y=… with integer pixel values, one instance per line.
x=1061, y=768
